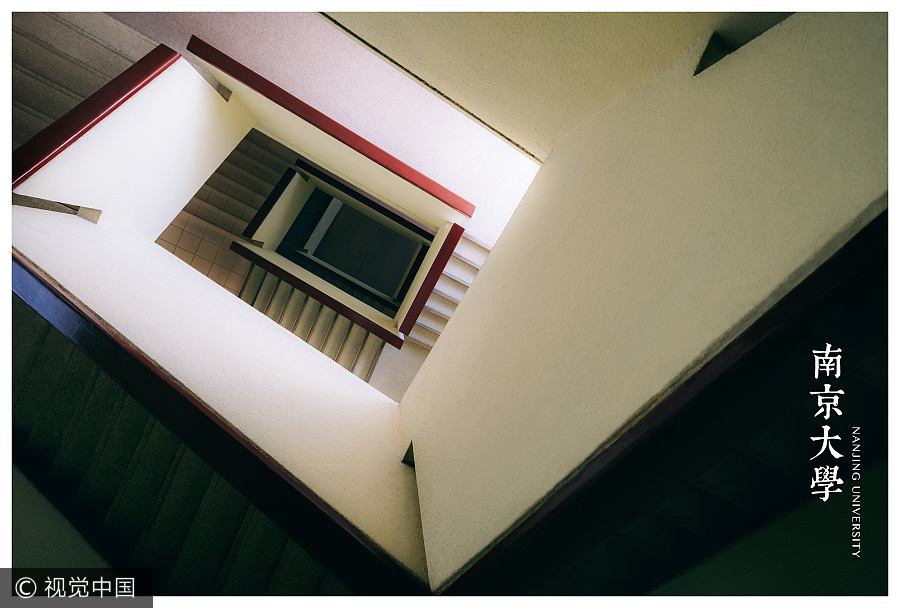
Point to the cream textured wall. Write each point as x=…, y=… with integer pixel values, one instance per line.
x=324, y=425
x=151, y=154
x=535, y=76
x=315, y=61
x=650, y=237
x=339, y=158
x=283, y=214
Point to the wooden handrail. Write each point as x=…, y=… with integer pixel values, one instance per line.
x=276, y=94
x=359, y=563
x=354, y=316
x=68, y=128
x=431, y=279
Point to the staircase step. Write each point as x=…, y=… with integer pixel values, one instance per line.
x=339, y=333
x=29, y=330
x=451, y=287
x=127, y=430
x=624, y=571
x=33, y=91
x=778, y=447
x=472, y=250
x=333, y=586
x=220, y=194
x=40, y=385
x=61, y=35
x=698, y=511
x=253, y=558
x=308, y=319
x=297, y=573
x=311, y=321
x=321, y=329
x=260, y=140
x=27, y=122
x=292, y=309
x=432, y=319
x=228, y=189
x=85, y=433
x=440, y=306
x=442, y=298
x=74, y=388
x=209, y=212
x=209, y=541
x=212, y=200
x=140, y=488
x=241, y=177
x=252, y=285
x=59, y=60
x=266, y=293
x=663, y=539
x=465, y=260
x=253, y=167
x=460, y=270
x=263, y=157
x=368, y=356
x=115, y=36
x=218, y=212
x=163, y=536
x=279, y=300
x=52, y=65
x=737, y=478
x=222, y=236
x=423, y=334
x=351, y=346
x=235, y=191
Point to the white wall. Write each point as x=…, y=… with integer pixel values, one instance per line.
x=283, y=214
x=650, y=237
x=315, y=61
x=151, y=154
x=324, y=425
x=339, y=158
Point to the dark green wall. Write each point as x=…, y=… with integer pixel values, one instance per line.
x=806, y=552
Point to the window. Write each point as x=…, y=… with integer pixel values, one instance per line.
x=364, y=252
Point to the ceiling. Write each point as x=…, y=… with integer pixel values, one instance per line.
x=533, y=77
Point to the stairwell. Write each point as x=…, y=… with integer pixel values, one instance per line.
x=133, y=490
x=136, y=493
x=143, y=499
x=61, y=58
x=126, y=483
x=202, y=233
x=355, y=348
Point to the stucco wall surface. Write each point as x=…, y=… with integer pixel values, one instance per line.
x=284, y=212
x=650, y=237
x=151, y=154
x=315, y=61
x=324, y=425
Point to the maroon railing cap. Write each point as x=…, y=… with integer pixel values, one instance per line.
x=273, y=92
x=68, y=128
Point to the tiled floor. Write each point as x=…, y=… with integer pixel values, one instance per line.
x=219, y=212
x=206, y=249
